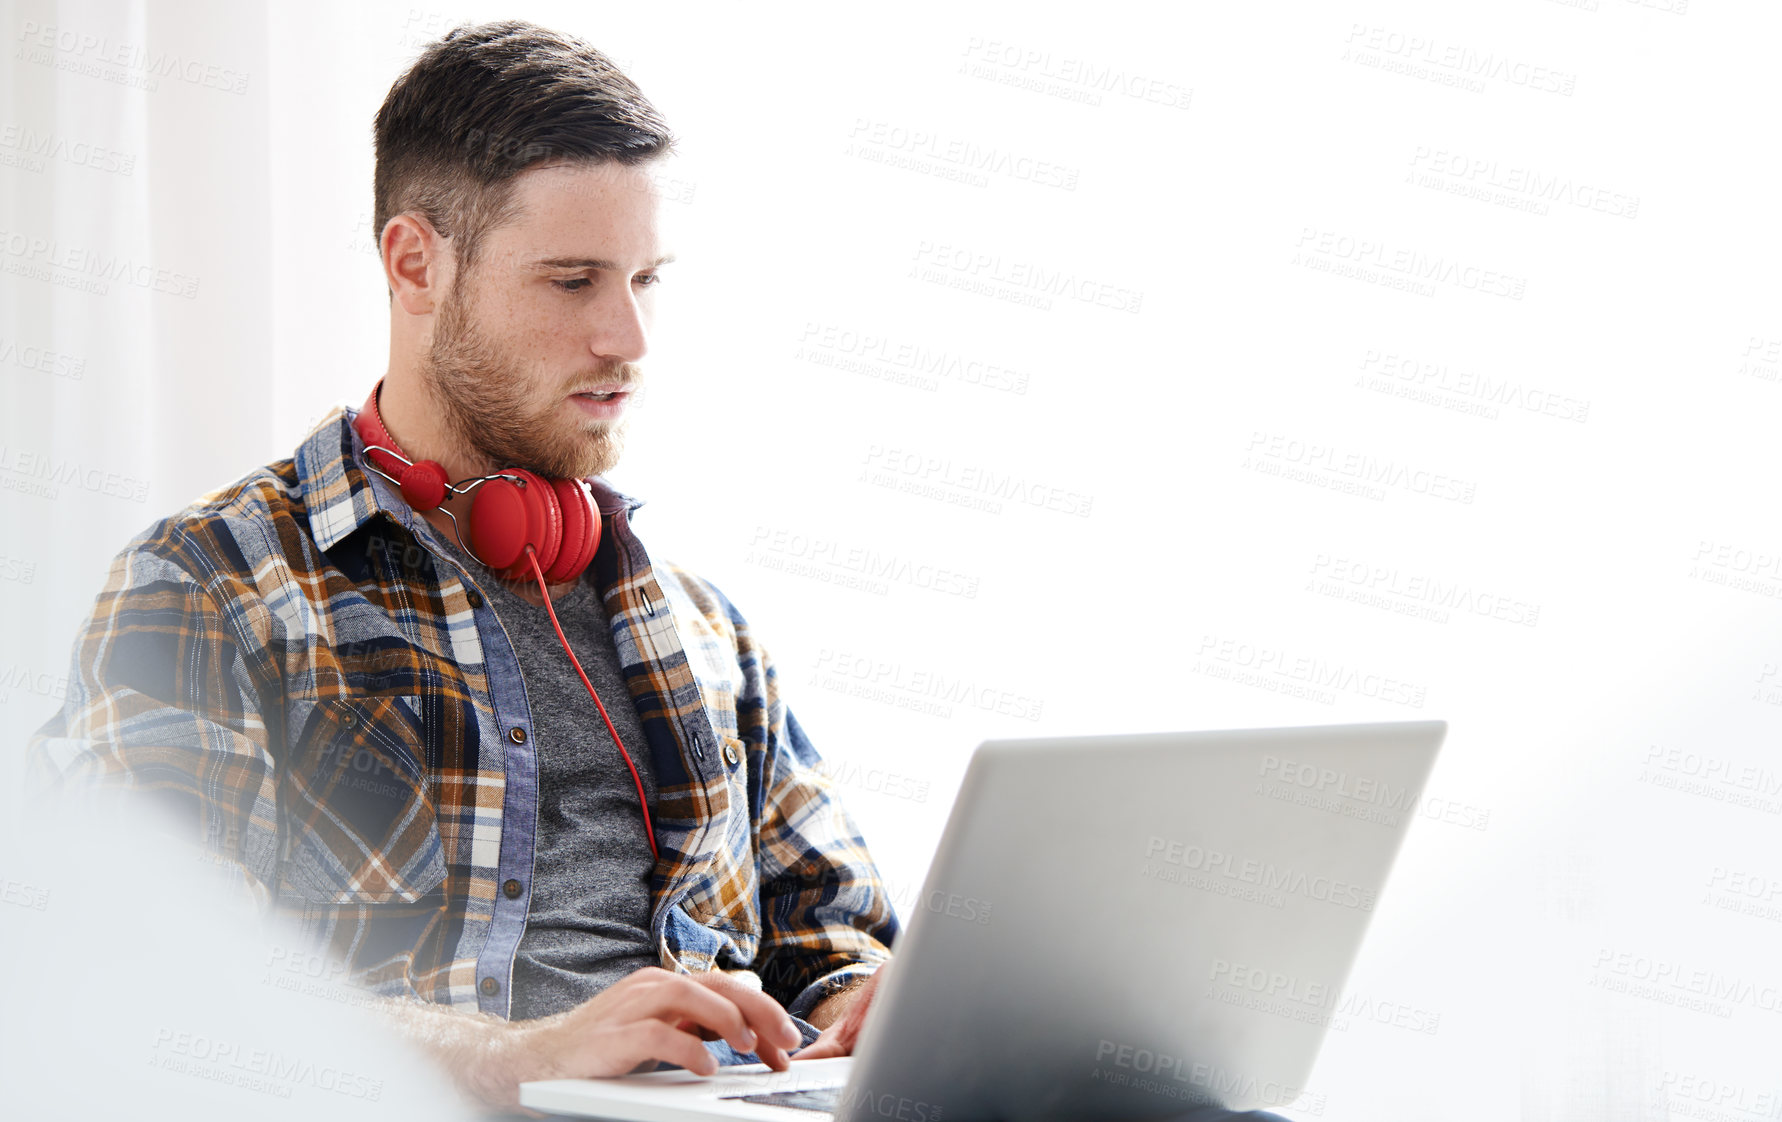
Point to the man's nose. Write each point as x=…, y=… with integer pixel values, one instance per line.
x=621, y=327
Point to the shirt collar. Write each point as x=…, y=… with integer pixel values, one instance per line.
x=341, y=496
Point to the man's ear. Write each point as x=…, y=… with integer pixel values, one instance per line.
x=417, y=263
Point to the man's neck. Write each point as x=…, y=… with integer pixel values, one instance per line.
x=415, y=422
x=416, y=425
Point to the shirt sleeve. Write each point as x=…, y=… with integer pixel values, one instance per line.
x=826, y=916
x=162, y=702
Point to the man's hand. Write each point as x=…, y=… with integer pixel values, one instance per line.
x=648, y=1015
x=839, y=1037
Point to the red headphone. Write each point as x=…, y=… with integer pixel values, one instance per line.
x=512, y=509
x=521, y=523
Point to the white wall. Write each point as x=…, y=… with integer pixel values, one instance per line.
x=1591, y=185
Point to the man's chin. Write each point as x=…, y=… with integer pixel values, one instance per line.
x=597, y=461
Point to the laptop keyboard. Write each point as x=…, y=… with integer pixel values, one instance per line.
x=824, y=1099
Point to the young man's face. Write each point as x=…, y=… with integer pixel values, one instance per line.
x=559, y=302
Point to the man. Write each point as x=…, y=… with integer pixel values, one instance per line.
x=383, y=738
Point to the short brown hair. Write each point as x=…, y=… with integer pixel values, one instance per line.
x=485, y=103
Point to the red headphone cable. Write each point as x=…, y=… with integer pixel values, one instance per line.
x=538, y=575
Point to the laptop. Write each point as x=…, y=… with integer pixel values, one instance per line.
x=1113, y=927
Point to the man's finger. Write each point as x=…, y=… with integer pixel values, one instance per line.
x=844, y=1032
x=620, y=1046
x=772, y=1024
x=696, y=1029
x=677, y=998
x=661, y=1041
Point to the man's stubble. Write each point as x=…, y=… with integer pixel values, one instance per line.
x=481, y=393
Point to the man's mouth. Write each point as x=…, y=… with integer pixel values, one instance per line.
x=603, y=393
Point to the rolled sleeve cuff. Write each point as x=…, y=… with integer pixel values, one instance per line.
x=833, y=982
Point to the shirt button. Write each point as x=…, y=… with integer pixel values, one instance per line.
x=517, y=735
x=475, y=598
x=512, y=888
x=491, y=987
x=729, y=755
x=350, y=720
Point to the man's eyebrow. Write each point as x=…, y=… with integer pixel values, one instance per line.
x=593, y=263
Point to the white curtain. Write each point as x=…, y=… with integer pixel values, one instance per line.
x=137, y=324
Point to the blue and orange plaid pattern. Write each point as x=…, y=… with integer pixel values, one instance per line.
x=298, y=665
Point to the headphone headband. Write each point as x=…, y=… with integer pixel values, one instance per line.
x=514, y=508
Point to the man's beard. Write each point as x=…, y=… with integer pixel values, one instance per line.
x=481, y=394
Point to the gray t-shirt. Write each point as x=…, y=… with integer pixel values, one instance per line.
x=588, y=922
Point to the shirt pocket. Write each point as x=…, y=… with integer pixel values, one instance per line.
x=362, y=824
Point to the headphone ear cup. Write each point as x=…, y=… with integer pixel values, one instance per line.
x=423, y=485
x=581, y=530
x=505, y=517
x=499, y=523
x=592, y=545
x=544, y=525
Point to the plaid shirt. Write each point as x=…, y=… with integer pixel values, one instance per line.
x=298, y=663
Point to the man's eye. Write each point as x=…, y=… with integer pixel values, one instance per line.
x=573, y=284
x=649, y=278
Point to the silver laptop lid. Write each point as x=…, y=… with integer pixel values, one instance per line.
x=1132, y=926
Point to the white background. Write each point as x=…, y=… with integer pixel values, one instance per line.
x=1568, y=551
